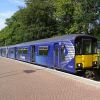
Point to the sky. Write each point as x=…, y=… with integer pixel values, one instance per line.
x=7, y=9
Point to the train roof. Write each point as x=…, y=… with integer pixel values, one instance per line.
x=53, y=39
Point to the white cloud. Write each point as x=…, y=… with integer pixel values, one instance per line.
x=2, y=23
x=4, y=16
x=8, y=14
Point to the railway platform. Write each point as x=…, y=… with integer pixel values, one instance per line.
x=24, y=81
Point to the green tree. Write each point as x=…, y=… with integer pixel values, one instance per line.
x=47, y=18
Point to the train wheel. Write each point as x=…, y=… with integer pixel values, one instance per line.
x=89, y=74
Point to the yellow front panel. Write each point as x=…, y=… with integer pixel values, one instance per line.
x=78, y=59
x=95, y=57
x=86, y=60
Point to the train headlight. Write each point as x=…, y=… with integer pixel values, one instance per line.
x=94, y=62
x=79, y=65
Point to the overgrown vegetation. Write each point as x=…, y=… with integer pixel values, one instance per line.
x=47, y=18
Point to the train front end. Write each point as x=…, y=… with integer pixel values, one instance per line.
x=86, y=56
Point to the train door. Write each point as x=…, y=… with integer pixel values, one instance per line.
x=33, y=54
x=62, y=53
x=56, y=55
x=15, y=52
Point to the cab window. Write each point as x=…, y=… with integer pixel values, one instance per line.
x=94, y=47
x=87, y=44
x=78, y=47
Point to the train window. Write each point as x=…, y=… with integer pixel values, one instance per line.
x=3, y=52
x=19, y=51
x=43, y=50
x=63, y=52
x=87, y=46
x=23, y=51
x=11, y=51
x=94, y=47
x=78, y=47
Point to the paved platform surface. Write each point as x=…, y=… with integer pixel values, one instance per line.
x=22, y=81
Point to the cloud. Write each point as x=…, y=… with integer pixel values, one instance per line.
x=7, y=14
x=4, y=16
x=2, y=23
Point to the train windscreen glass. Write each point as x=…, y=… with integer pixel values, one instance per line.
x=87, y=44
x=78, y=47
x=94, y=47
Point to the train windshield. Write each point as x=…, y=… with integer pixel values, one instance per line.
x=94, y=46
x=85, y=46
x=78, y=45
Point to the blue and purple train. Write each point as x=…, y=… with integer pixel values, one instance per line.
x=71, y=53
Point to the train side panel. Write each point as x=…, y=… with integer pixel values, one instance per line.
x=68, y=64
x=22, y=53
x=11, y=53
x=44, y=55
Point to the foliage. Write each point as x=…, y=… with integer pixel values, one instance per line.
x=47, y=18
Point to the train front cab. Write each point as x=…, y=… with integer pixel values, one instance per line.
x=85, y=53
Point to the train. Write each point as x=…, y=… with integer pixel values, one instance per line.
x=71, y=53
